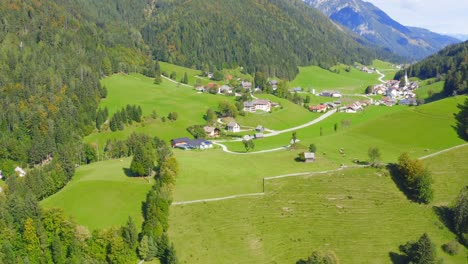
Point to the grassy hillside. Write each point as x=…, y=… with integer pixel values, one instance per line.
x=165, y=98
x=286, y=116
x=354, y=81
x=392, y=129
x=358, y=210
x=101, y=195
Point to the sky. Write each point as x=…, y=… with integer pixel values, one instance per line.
x=441, y=16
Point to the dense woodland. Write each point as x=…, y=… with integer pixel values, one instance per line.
x=268, y=36
x=449, y=64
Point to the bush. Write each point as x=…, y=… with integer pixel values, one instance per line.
x=451, y=248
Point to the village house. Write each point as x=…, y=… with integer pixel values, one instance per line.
x=225, y=89
x=179, y=141
x=308, y=156
x=259, y=135
x=20, y=172
x=257, y=104
x=274, y=84
x=318, y=108
x=187, y=144
x=233, y=127
x=296, y=89
x=330, y=94
x=246, y=85
x=260, y=129
x=211, y=131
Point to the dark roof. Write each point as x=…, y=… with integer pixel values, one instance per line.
x=199, y=142
x=259, y=135
x=179, y=140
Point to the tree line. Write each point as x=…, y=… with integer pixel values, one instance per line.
x=30, y=234
x=449, y=64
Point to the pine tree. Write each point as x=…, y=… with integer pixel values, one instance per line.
x=143, y=248
x=142, y=162
x=130, y=233
x=33, y=247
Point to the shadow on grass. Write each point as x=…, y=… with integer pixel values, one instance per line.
x=397, y=258
x=399, y=181
x=444, y=213
x=128, y=172
x=435, y=97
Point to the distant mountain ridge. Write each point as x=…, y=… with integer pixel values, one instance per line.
x=377, y=27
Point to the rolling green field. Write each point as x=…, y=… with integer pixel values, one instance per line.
x=164, y=98
x=320, y=79
x=426, y=89
x=289, y=115
x=386, y=68
x=180, y=71
x=101, y=195
x=358, y=213
x=393, y=129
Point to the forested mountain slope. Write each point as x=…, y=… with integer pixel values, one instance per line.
x=449, y=64
x=270, y=36
x=51, y=59
x=376, y=26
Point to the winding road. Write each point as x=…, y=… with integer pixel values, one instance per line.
x=273, y=133
x=381, y=76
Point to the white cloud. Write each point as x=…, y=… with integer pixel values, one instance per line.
x=447, y=16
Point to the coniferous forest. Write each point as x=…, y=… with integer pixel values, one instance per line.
x=449, y=64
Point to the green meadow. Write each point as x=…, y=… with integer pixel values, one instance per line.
x=286, y=116
x=180, y=71
x=314, y=77
x=101, y=195
x=427, y=89
x=354, y=210
x=165, y=98
x=360, y=214
x=418, y=130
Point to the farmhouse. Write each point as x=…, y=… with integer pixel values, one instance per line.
x=179, y=141
x=257, y=104
x=260, y=128
x=20, y=172
x=225, y=89
x=258, y=135
x=186, y=143
x=211, y=131
x=200, y=144
x=309, y=157
x=233, y=127
x=318, y=108
x=246, y=85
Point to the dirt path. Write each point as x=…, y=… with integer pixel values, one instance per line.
x=266, y=179
x=442, y=151
x=381, y=76
x=273, y=133
x=183, y=84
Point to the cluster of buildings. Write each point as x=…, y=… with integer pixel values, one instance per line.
x=259, y=104
x=394, y=90
x=349, y=108
x=365, y=69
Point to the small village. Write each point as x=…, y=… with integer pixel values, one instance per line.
x=388, y=93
